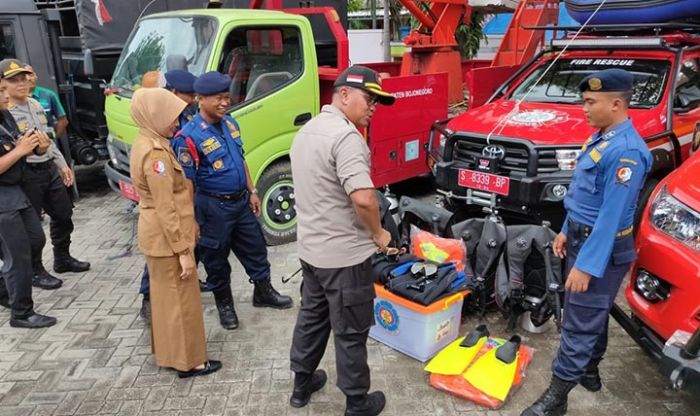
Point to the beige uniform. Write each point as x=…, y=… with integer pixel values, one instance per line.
x=31, y=115
x=330, y=160
x=167, y=227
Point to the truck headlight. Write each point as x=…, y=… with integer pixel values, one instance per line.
x=675, y=219
x=110, y=150
x=566, y=158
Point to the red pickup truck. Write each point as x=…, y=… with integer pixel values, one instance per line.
x=516, y=152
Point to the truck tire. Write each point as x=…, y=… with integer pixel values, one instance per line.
x=277, y=216
x=644, y=195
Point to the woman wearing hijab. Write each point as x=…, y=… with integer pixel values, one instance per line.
x=166, y=234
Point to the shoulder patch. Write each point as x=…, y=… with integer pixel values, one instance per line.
x=184, y=157
x=595, y=155
x=159, y=167
x=623, y=175
x=602, y=146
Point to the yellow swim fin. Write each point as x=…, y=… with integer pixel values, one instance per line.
x=494, y=372
x=457, y=356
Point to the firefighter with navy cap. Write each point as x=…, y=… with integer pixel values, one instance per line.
x=210, y=149
x=597, y=234
x=180, y=83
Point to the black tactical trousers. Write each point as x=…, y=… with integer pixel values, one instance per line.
x=342, y=300
x=45, y=189
x=21, y=237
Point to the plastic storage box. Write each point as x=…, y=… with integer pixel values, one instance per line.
x=416, y=330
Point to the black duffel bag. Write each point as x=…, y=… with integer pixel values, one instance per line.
x=424, y=282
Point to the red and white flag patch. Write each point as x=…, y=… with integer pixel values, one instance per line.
x=159, y=167
x=356, y=78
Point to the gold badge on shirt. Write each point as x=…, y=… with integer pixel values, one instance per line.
x=218, y=164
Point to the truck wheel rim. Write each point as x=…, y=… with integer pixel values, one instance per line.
x=278, y=206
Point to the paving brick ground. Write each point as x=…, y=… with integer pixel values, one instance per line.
x=97, y=360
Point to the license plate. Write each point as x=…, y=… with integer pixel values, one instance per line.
x=128, y=191
x=484, y=181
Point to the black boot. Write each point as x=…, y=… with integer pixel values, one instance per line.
x=306, y=384
x=145, y=312
x=264, y=295
x=63, y=262
x=227, y=314
x=591, y=378
x=553, y=402
x=365, y=405
x=44, y=280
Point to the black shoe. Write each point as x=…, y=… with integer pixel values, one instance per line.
x=145, y=312
x=305, y=385
x=203, y=287
x=553, y=402
x=264, y=295
x=69, y=264
x=366, y=405
x=591, y=379
x=211, y=366
x=44, y=280
x=33, y=321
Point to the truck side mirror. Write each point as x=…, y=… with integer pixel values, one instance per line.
x=88, y=64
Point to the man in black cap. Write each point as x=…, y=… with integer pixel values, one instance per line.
x=210, y=150
x=21, y=235
x=180, y=83
x=597, y=235
x=338, y=229
x=45, y=178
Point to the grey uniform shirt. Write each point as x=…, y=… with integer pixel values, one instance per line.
x=330, y=160
x=28, y=116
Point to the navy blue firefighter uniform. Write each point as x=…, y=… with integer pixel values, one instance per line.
x=211, y=153
x=600, y=205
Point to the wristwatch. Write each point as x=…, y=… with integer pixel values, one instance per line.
x=254, y=191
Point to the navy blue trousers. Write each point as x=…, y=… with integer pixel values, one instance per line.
x=584, y=332
x=229, y=226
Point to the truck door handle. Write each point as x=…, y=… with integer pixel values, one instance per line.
x=301, y=119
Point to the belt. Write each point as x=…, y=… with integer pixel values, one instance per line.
x=40, y=165
x=585, y=230
x=226, y=197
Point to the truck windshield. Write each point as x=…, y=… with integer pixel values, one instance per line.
x=161, y=44
x=560, y=84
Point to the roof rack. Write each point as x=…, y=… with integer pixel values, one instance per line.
x=656, y=28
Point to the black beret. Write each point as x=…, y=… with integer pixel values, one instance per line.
x=212, y=83
x=608, y=80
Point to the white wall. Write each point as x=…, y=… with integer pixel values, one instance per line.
x=365, y=46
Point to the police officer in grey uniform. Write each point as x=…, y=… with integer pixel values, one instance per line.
x=597, y=235
x=338, y=230
x=21, y=235
x=46, y=176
